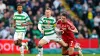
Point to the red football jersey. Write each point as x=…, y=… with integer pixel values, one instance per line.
x=67, y=35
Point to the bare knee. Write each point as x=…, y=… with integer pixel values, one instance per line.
x=16, y=42
x=71, y=51
x=63, y=43
x=42, y=42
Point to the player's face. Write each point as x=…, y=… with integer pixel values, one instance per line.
x=48, y=13
x=63, y=17
x=19, y=8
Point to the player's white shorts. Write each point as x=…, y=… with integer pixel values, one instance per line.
x=52, y=37
x=19, y=35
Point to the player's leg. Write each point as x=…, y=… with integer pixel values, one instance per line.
x=18, y=41
x=63, y=43
x=77, y=46
x=42, y=42
x=59, y=40
x=64, y=51
x=22, y=45
x=71, y=51
x=15, y=39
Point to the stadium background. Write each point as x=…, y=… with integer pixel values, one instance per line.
x=85, y=15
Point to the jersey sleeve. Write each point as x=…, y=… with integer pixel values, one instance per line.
x=40, y=21
x=58, y=23
x=54, y=20
x=27, y=18
x=71, y=25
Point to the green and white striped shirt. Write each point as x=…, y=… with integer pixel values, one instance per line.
x=47, y=24
x=21, y=18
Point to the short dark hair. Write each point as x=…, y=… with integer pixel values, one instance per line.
x=19, y=4
x=64, y=14
x=48, y=8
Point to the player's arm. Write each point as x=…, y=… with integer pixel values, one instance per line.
x=72, y=27
x=57, y=29
x=28, y=21
x=40, y=25
x=73, y=30
x=14, y=23
x=58, y=26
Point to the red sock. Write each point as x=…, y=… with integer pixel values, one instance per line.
x=75, y=53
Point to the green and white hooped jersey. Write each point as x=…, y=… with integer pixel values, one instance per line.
x=21, y=18
x=47, y=25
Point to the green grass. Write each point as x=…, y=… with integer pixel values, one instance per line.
x=44, y=55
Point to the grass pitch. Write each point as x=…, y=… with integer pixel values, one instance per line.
x=45, y=55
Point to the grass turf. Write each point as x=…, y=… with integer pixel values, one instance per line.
x=44, y=55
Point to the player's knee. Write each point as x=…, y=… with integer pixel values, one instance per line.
x=70, y=52
x=16, y=42
x=19, y=41
x=41, y=43
x=65, y=45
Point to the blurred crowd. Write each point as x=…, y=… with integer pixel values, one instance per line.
x=90, y=16
x=89, y=12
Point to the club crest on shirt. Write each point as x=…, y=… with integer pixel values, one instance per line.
x=63, y=27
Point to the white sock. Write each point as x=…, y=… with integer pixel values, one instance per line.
x=22, y=50
x=40, y=51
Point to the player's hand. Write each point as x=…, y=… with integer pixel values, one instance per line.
x=42, y=31
x=62, y=31
x=23, y=24
x=73, y=30
x=14, y=26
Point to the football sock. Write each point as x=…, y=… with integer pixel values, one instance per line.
x=75, y=53
x=40, y=49
x=22, y=45
x=22, y=50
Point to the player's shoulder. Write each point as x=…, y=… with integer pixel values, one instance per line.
x=68, y=20
x=25, y=13
x=59, y=20
x=53, y=18
x=41, y=18
x=15, y=12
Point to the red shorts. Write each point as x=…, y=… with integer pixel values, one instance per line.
x=71, y=43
